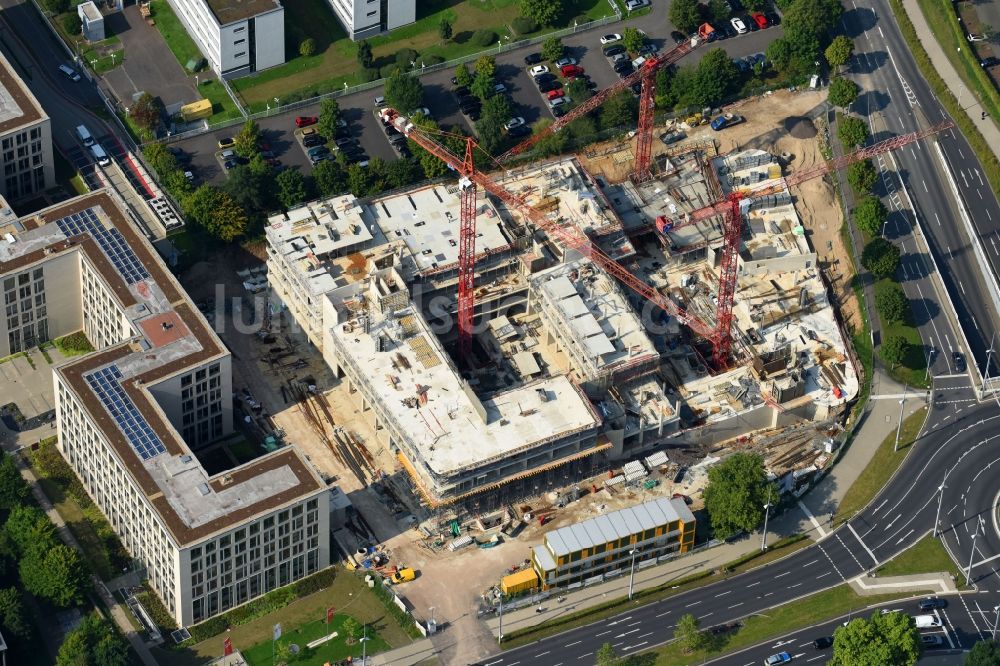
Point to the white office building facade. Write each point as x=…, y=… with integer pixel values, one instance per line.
x=367, y=18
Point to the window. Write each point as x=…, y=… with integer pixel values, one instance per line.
x=240, y=29
x=372, y=13
x=241, y=54
x=239, y=41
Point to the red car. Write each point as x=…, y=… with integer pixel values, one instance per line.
x=760, y=20
x=571, y=70
x=553, y=94
x=305, y=121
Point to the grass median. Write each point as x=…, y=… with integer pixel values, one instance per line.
x=925, y=556
x=881, y=467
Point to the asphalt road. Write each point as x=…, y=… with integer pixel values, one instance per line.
x=357, y=109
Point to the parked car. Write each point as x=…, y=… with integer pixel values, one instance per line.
x=823, y=642
x=519, y=131
x=226, y=142
x=538, y=70
x=760, y=20
x=549, y=85
x=632, y=5
x=738, y=25
x=423, y=111
x=647, y=49
x=532, y=58
x=513, y=122
x=343, y=143
x=461, y=92
x=553, y=94
x=380, y=102
x=562, y=62
x=473, y=113
x=772, y=18
x=930, y=603
x=618, y=57
x=559, y=111
x=69, y=73
x=622, y=66
x=678, y=37
x=672, y=137
x=931, y=640
x=305, y=121
x=314, y=140
x=613, y=50
x=229, y=164
x=572, y=70
x=559, y=101
x=610, y=39
x=545, y=78
x=499, y=88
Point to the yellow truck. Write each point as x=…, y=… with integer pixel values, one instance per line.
x=196, y=110
x=403, y=575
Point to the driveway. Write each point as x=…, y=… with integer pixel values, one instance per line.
x=357, y=108
x=149, y=65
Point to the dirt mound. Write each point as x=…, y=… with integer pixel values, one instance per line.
x=799, y=127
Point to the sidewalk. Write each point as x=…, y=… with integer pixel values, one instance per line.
x=879, y=420
x=968, y=100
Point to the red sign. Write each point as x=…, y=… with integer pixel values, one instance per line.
x=228, y=645
x=329, y=614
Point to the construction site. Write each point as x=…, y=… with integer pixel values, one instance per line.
x=483, y=360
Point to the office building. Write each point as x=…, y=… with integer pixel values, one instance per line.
x=367, y=18
x=132, y=415
x=237, y=37
x=25, y=139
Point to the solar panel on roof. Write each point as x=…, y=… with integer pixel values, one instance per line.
x=108, y=389
x=111, y=242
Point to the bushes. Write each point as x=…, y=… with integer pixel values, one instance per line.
x=307, y=47
x=881, y=258
x=523, y=25
x=369, y=74
x=71, y=24
x=261, y=606
x=404, y=58
x=385, y=71
x=484, y=37
x=433, y=60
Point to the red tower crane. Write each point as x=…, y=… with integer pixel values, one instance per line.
x=466, y=253
x=645, y=74
x=730, y=208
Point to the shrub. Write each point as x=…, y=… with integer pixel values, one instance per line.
x=891, y=301
x=433, y=60
x=880, y=257
x=523, y=25
x=369, y=74
x=484, y=37
x=71, y=23
x=385, y=71
x=307, y=47
x=404, y=57
x=57, y=6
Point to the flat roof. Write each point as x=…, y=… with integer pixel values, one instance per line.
x=446, y=424
x=91, y=11
x=18, y=107
x=170, y=335
x=230, y=11
x=617, y=525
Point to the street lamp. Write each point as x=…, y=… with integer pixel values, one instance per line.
x=500, y=624
x=996, y=609
x=763, y=537
x=972, y=552
x=895, y=447
x=364, y=646
x=989, y=352
x=196, y=81
x=937, y=517
x=631, y=575
x=499, y=45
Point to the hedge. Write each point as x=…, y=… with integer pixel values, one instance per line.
x=523, y=25
x=484, y=37
x=261, y=606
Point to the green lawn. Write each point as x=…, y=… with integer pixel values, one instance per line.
x=335, y=648
x=244, y=450
x=335, y=62
x=174, y=34
x=913, y=370
x=223, y=107
x=881, y=467
x=925, y=556
x=74, y=344
x=104, y=55
x=776, y=622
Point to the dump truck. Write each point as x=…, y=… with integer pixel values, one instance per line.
x=727, y=120
x=706, y=32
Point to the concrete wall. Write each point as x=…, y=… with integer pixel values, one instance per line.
x=795, y=262
x=269, y=31
x=63, y=307
x=202, y=27
x=401, y=12
x=234, y=46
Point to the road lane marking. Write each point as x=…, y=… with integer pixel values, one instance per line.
x=812, y=519
x=811, y=562
x=584, y=656
x=856, y=536
x=783, y=574
x=736, y=605
x=722, y=594
x=792, y=587
x=542, y=654
x=693, y=603
x=570, y=644
x=609, y=631
x=923, y=181
x=660, y=615
x=758, y=582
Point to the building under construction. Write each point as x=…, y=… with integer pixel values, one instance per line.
x=570, y=372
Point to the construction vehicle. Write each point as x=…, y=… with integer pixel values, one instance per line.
x=727, y=120
x=403, y=575
x=707, y=33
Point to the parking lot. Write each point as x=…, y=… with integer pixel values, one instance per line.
x=357, y=109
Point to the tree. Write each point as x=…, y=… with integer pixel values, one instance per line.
x=13, y=488
x=307, y=47
x=870, y=215
x=71, y=23
x=862, y=176
x=56, y=574
x=842, y=92
x=619, y=109
x=57, y=6
x=583, y=129
x=247, y=190
x=12, y=615
x=291, y=188
x=736, y=493
x=404, y=92
x=93, y=643
x=258, y=168
x=839, y=51
x=365, y=58
x=496, y=111
x=74, y=651
x=718, y=11
x=329, y=114
x=111, y=650
x=350, y=627
x=633, y=40
x=891, y=301
x=578, y=91
x=688, y=633
x=889, y=638
x=780, y=53
x=685, y=15
x=402, y=172
x=145, y=111
x=852, y=132
x=807, y=22
x=483, y=86
x=552, y=49
x=606, y=656
x=444, y=29
x=717, y=77
x=486, y=65
x=551, y=144
x=329, y=177
x=29, y=528
x=543, y=12
x=881, y=258
x=983, y=653
x=247, y=140
x=462, y=76
x=217, y=212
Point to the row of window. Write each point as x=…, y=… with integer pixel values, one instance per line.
x=28, y=182
x=21, y=138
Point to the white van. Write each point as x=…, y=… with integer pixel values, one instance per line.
x=70, y=73
x=102, y=157
x=84, y=134
x=926, y=621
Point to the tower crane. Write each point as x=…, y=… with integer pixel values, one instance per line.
x=731, y=208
